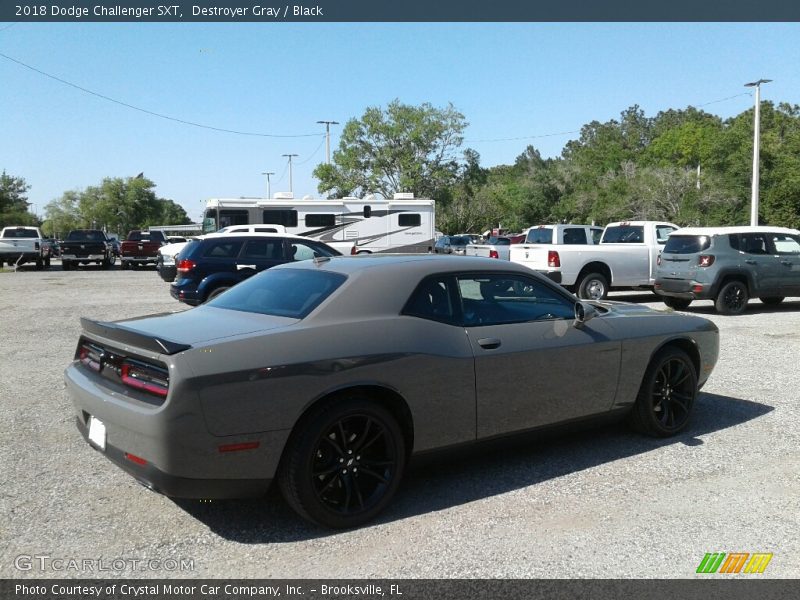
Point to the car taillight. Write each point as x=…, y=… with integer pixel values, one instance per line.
x=90, y=356
x=493, y=254
x=553, y=260
x=353, y=250
x=145, y=377
x=186, y=265
x=706, y=260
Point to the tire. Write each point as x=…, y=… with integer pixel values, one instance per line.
x=106, y=264
x=39, y=263
x=593, y=286
x=216, y=292
x=47, y=262
x=344, y=463
x=667, y=395
x=66, y=265
x=772, y=300
x=125, y=265
x=677, y=303
x=732, y=298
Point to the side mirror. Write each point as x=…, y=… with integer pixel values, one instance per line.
x=583, y=313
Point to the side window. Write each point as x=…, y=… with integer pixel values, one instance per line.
x=733, y=240
x=267, y=248
x=753, y=243
x=223, y=249
x=596, y=235
x=319, y=220
x=498, y=299
x=575, y=235
x=662, y=233
x=785, y=243
x=232, y=217
x=280, y=216
x=306, y=251
x=409, y=219
x=431, y=300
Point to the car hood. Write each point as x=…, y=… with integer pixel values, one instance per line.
x=203, y=324
x=172, y=249
x=618, y=308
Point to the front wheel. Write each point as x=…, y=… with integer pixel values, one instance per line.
x=676, y=303
x=344, y=464
x=66, y=265
x=593, y=286
x=664, y=404
x=732, y=298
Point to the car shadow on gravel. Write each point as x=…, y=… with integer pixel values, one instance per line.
x=754, y=307
x=449, y=479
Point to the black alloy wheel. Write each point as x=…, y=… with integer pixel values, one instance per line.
x=666, y=398
x=344, y=465
x=732, y=298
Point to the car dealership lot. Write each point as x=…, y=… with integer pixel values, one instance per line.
x=600, y=503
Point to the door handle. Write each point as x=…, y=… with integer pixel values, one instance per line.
x=489, y=343
x=240, y=267
x=751, y=262
x=786, y=262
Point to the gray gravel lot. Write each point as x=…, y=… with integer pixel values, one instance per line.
x=603, y=503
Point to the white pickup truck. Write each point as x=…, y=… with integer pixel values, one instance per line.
x=495, y=247
x=625, y=258
x=21, y=244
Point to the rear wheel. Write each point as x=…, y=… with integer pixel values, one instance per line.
x=593, y=286
x=666, y=398
x=677, y=303
x=772, y=300
x=732, y=298
x=66, y=265
x=39, y=263
x=345, y=463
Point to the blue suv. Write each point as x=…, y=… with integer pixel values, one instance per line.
x=208, y=267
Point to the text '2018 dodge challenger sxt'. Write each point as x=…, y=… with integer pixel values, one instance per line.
x=328, y=374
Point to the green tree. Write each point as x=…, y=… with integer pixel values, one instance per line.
x=14, y=201
x=401, y=149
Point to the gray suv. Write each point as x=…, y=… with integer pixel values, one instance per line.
x=729, y=265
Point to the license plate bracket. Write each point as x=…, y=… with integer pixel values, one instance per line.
x=97, y=433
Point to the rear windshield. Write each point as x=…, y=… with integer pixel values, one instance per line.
x=459, y=240
x=86, y=236
x=290, y=293
x=146, y=236
x=624, y=234
x=687, y=244
x=499, y=241
x=20, y=233
x=539, y=236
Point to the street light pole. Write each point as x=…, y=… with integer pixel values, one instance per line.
x=328, y=138
x=269, y=191
x=290, y=168
x=756, y=149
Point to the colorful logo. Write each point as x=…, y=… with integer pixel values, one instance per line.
x=734, y=562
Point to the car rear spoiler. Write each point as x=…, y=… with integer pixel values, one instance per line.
x=119, y=333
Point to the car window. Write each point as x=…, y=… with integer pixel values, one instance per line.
x=687, y=244
x=431, y=300
x=223, y=249
x=266, y=249
x=540, y=236
x=575, y=235
x=753, y=243
x=281, y=292
x=512, y=298
x=624, y=234
x=785, y=243
x=306, y=251
x=662, y=233
x=596, y=235
x=20, y=233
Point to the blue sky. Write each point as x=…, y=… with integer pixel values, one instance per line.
x=509, y=80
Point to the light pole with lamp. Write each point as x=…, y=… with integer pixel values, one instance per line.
x=328, y=138
x=756, y=148
x=269, y=191
x=290, y=169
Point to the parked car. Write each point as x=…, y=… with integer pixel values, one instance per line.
x=326, y=375
x=140, y=248
x=729, y=265
x=167, y=255
x=451, y=244
x=20, y=244
x=494, y=247
x=625, y=258
x=212, y=265
x=84, y=246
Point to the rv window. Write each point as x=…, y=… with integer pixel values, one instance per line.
x=232, y=217
x=280, y=216
x=320, y=220
x=409, y=220
x=367, y=211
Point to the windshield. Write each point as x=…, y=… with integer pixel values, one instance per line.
x=281, y=292
x=539, y=236
x=20, y=233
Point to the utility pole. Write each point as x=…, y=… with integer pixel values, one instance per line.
x=756, y=148
x=269, y=191
x=290, y=168
x=328, y=138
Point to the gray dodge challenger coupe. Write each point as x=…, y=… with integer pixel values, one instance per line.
x=328, y=374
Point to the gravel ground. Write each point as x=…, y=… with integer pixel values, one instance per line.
x=604, y=503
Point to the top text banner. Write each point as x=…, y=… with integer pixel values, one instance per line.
x=399, y=10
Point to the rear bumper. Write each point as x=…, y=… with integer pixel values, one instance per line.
x=554, y=276
x=683, y=288
x=140, y=259
x=86, y=257
x=185, y=293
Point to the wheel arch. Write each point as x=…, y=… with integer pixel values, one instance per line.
x=736, y=275
x=595, y=267
x=681, y=343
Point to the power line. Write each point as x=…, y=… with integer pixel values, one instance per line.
x=152, y=113
x=313, y=154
